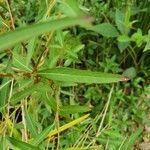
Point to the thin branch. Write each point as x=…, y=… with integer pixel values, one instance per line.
x=10, y=13
x=6, y=75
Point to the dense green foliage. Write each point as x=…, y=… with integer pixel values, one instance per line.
x=74, y=74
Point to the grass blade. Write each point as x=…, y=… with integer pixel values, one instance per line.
x=40, y=137
x=131, y=140
x=24, y=93
x=20, y=62
x=21, y=145
x=3, y=143
x=31, y=49
x=30, y=124
x=68, y=125
x=5, y=86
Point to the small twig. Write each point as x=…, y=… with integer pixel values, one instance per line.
x=1, y=14
x=57, y=117
x=106, y=108
x=11, y=17
x=23, y=107
x=99, y=131
x=26, y=74
x=6, y=75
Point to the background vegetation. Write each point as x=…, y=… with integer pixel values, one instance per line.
x=47, y=101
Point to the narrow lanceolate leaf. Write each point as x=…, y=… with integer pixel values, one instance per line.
x=41, y=136
x=21, y=145
x=105, y=29
x=70, y=8
x=10, y=38
x=132, y=139
x=19, y=95
x=31, y=49
x=20, y=63
x=67, y=126
x=30, y=124
x=3, y=143
x=72, y=109
x=80, y=76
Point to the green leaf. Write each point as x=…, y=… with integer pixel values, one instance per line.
x=3, y=143
x=5, y=85
x=20, y=62
x=112, y=142
x=119, y=19
x=147, y=39
x=79, y=76
x=31, y=49
x=53, y=58
x=147, y=47
x=130, y=72
x=124, y=38
x=72, y=109
x=70, y=8
x=105, y=29
x=30, y=124
x=50, y=101
x=24, y=82
x=40, y=137
x=138, y=37
x=4, y=89
x=38, y=87
x=8, y=39
x=123, y=42
x=132, y=139
x=24, y=93
x=123, y=45
x=21, y=145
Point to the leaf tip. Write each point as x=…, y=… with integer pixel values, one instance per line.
x=125, y=78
